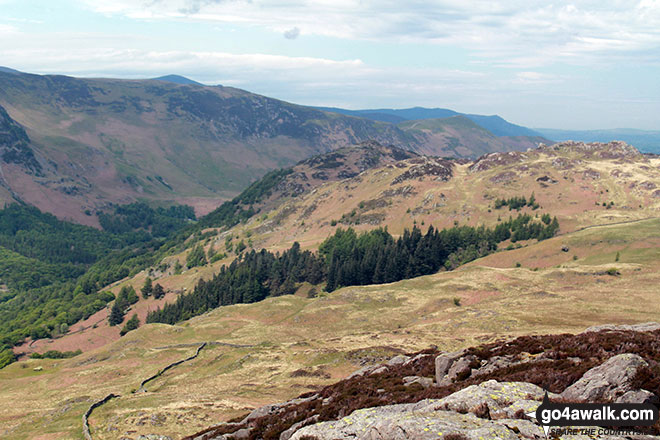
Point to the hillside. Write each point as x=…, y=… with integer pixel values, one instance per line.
x=464, y=136
x=90, y=142
x=281, y=346
x=601, y=268
x=581, y=184
x=491, y=388
x=87, y=143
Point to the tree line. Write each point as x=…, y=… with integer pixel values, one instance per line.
x=348, y=258
x=53, y=270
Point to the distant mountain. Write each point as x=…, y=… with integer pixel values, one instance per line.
x=464, y=136
x=501, y=127
x=74, y=146
x=395, y=115
x=495, y=124
x=8, y=70
x=177, y=79
x=646, y=141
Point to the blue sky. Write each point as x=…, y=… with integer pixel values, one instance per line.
x=578, y=65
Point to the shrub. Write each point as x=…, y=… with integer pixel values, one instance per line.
x=56, y=354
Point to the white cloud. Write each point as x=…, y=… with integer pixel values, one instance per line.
x=511, y=32
x=535, y=78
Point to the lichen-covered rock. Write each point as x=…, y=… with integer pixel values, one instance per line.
x=286, y=435
x=398, y=360
x=608, y=381
x=405, y=421
x=429, y=419
x=495, y=395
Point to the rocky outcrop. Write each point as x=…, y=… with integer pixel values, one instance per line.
x=495, y=399
x=492, y=160
x=481, y=392
x=488, y=410
x=432, y=167
x=596, y=150
x=607, y=382
x=407, y=421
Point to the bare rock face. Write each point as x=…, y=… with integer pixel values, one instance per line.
x=608, y=381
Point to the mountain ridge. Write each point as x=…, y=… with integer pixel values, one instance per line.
x=493, y=123
x=100, y=142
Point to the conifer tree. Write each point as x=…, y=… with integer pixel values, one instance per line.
x=147, y=288
x=158, y=291
x=131, y=324
x=116, y=315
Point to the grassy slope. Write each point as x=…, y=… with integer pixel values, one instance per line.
x=328, y=336
x=468, y=198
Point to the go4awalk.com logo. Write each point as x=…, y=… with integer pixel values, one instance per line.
x=592, y=417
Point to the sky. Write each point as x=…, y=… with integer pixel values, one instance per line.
x=570, y=65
